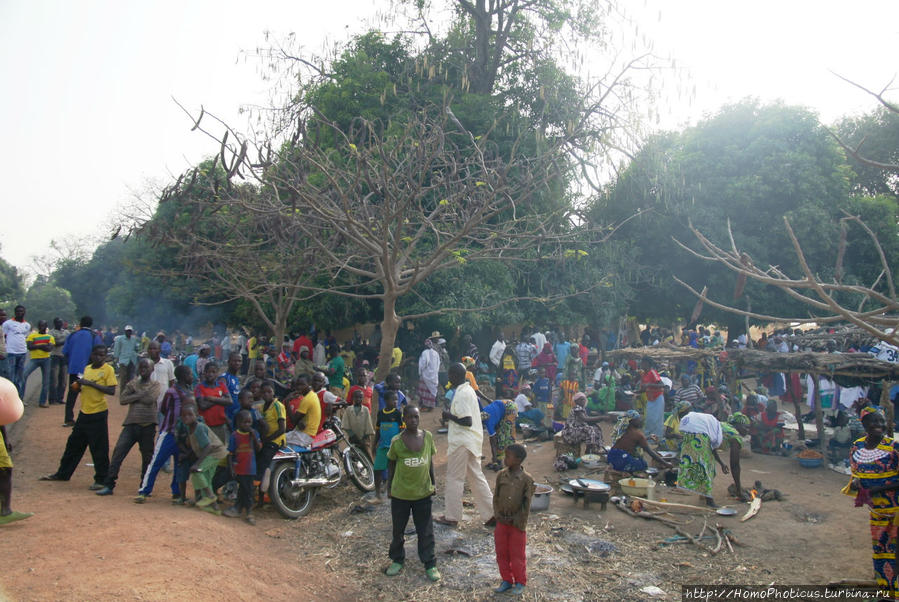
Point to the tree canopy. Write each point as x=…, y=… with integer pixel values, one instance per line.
x=749, y=165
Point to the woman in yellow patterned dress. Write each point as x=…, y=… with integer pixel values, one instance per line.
x=874, y=460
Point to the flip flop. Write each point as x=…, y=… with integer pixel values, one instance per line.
x=442, y=520
x=14, y=516
x=203, y=502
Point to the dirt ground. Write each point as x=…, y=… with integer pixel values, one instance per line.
x=79, y=546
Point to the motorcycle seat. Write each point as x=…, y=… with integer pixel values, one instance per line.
x=297, y=448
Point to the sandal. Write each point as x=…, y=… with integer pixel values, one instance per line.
x=442, y=520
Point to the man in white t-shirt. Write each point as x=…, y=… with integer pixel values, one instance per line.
x=15, y=331
x=497, y=351
x=163, y=370
x=465, y=438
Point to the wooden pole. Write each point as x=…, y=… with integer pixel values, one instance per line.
x=887, y=404
x=819, y=414
x=787, y=382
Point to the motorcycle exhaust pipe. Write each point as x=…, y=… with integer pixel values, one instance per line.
x=311, y=482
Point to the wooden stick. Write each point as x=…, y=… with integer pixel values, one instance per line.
x=673, y=506
x=729, y=547
x=621, y=506
x=696, y=541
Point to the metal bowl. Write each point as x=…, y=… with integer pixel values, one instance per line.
x=726, y=512
x=668, y=455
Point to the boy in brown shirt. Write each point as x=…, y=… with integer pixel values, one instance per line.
x=511, y=505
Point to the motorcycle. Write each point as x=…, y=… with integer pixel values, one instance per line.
x=299, y=472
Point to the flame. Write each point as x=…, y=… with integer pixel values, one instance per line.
x=753, y=493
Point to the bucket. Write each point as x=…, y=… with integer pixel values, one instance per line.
x=541, y=497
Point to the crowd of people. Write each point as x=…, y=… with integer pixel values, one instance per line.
x=215, y=413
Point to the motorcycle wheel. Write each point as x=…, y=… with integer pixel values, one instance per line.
x=359, y=468
x=291, y=501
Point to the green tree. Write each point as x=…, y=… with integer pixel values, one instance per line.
x=751, y=165
x=11, y=288
x=45, y=301
x=873, y=135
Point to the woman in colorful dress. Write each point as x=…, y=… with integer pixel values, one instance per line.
x=580, y=428
x=874, y=460
x=702, y=436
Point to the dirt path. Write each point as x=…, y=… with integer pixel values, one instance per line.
x=79, y=546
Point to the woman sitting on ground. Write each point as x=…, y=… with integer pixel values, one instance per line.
x=767, y=431
x=624, y=457
x=579, y=428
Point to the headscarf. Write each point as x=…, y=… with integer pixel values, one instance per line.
x=511, y=408
x=631, y=414
x=683, y=406
x=738, y=418
x=866, y=411
x=577, y=396
x=468, y=361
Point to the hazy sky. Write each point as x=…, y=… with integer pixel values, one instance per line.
x=87, y=116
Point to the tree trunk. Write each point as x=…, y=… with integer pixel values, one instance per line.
x=279, y=328
x=390, y=325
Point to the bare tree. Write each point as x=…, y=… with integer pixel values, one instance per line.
x=826, y=301
x=374, y=211
x=856, y=151
x=233, y=254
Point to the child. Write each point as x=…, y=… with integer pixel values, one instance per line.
x=245, y=399
x=505, y=430
x=166, y=441
x=213, y=399
x=357, y=421
x=387, y=426
x=243, y=447
x=511, y=504
x=543, y=391
x=410, y=487
x=91, y=429
x=276, y=421
x=208, y=450
x=9, y=399
x=568, y=389
x=491, y=416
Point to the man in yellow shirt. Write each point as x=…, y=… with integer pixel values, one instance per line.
x=307, y=416
x=91, y=428
x=252, y=353
x=40, y=343
x=396, y=358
